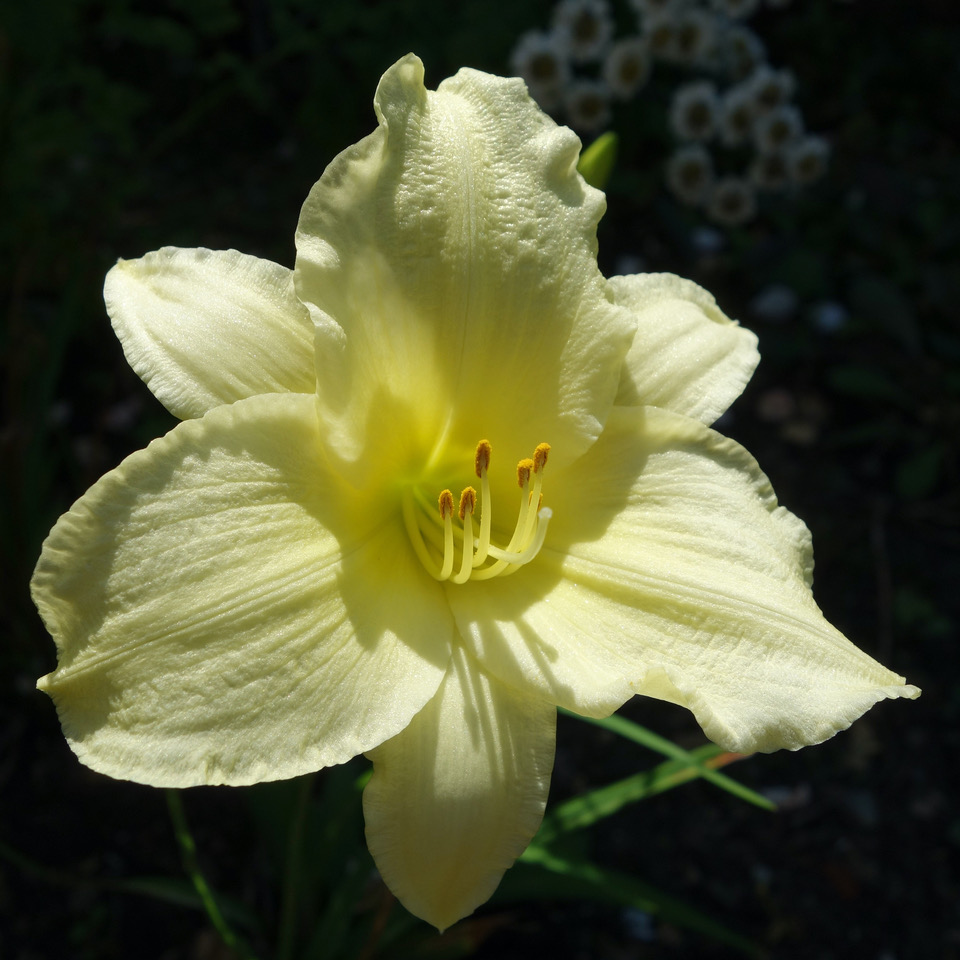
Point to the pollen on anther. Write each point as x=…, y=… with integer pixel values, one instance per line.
x=468, y=501
x=482, y=461
x=540, y=456
x=524, y=469
x=445, y=502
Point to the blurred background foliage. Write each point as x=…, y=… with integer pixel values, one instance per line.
x=126, y=125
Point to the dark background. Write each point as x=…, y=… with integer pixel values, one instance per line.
x=126, y=126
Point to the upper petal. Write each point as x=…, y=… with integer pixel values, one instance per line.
x=669, y=564
x=205, y=327
x=456, y=797
x=225, y=611
x=449, y=260
x=687, y=355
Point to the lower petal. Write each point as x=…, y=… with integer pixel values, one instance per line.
x=225, y=613
x=456, y=797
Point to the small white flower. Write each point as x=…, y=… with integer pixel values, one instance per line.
x=695, y=111
x=587, y=104
x=808, y=158
x=737, y=113
x=626, y=67
x=585, y=26
x=732, y=201
x=771, y=88
x=696, y=36
x=770, y=171
x=690, y=174
x=541, y=60
x=743, y=51
x=777, y=129
x=661, y=31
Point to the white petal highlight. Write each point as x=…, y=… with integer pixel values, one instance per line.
x=226, y=611
x=670, y=560
x=205, y=327
x=457, y=796
x=687, y=356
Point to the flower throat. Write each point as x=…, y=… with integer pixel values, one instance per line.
x=437, y=539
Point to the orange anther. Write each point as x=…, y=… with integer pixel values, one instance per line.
x=540, y=456
x=468, y=501
x=482, y=461
x=524, y=469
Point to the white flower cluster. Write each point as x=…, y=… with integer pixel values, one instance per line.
x=737, y=129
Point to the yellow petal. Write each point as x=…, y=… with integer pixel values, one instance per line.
x=687, y=356
x=457, y=796
x=449, y=259
x=225, y=611
x=205, y=327
x=669, y=559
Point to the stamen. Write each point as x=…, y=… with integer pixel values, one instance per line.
x=540, y=456
x=411, y=522
x=445, y=502
x=482, y=458
x=468, y=500
x=514, y=561
x=424, y=526
x=482, y=465
x=539, y=462
x=524, y=468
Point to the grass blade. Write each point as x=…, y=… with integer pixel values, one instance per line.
x=705, y=764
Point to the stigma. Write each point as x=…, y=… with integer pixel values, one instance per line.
x=454, y=541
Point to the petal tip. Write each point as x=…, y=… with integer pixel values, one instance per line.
x=403, y=79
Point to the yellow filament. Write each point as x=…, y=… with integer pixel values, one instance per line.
x=512, y=562
x=446, y=512
x=424, y=526
x=482, y=464
x=416, y=537
x=468, y=500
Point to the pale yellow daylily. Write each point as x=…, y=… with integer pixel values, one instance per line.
x=291, y=576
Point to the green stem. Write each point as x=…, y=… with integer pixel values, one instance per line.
x=292, y=871
x=188, y=855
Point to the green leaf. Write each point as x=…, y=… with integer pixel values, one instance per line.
x=211, y=901
x=596, y=162
x=698, y=762
x=541, y=873
x=589, y=808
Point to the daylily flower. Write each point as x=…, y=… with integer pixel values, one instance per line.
x=436, y=481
